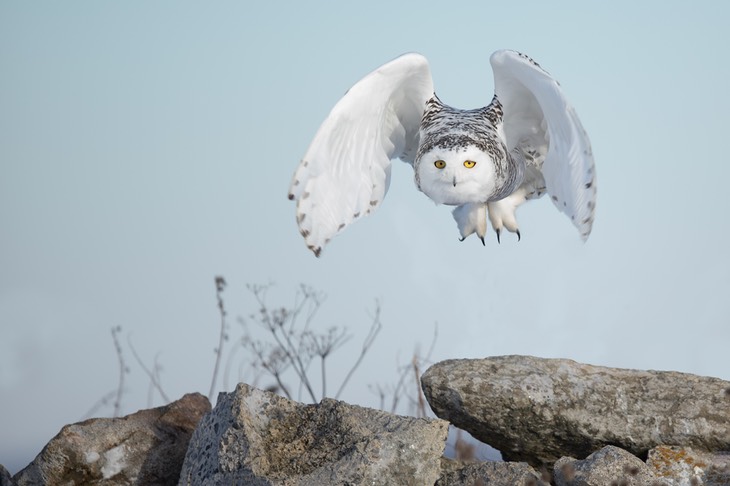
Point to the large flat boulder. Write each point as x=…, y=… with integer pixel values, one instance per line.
x=538, y=410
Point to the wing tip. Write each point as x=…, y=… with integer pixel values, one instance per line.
x=585, y=227
x=500, y=54
x=413, y=56
x=317, y=250
x=584, y=235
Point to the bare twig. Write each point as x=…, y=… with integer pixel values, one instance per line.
x=398, y=389
x=433, y=342
x=369, y=339
x=254, y=368
x=293, y=341
x=276, y=363
x=273, y=360
x=381, y=393
x=323, y=345
x=421, y=408
x=296, y=359
x=274, y=322
x=230, y=361
x=220, y=285
x=123, y=370
x=406, y=373
x=152, y=387
x=314, y=299
x=152, y=375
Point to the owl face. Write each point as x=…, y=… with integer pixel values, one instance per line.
x=456, y=176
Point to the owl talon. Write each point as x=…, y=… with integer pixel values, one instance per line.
x=482, y=238
x=498, y=231
x=462, y=238
x=519, y=236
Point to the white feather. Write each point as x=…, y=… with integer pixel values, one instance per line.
x=345, y=173
x=537, y=112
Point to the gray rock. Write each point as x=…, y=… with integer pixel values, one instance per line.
x=683, y=466
x=537, y=410
x=5, y=478
x=610, y=466
x=143, y=448
x=458, y=473
x=259, y=438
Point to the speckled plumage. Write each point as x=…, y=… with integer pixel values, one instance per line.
x=485, y=161
x=445, y=127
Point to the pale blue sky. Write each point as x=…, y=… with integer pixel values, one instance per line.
x=147, y=147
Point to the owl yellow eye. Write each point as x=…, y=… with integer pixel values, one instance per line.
x=469, y=164
x=440, y=164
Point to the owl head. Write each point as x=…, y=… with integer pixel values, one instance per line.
x=458, y=175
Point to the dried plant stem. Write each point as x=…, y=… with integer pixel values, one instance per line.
x=122, y=370
x=283, y=387
x=324, y=376
x=227, y=368
x=398, y=390
x=369, y=339
x=406, y=372
x=293, y=343
x=381, y=394
x=421, y=409
x=275, y=322
x=296, y=361
x=152, y=375
x=220, y=285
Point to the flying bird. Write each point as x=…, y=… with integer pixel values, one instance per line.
x=487, y=161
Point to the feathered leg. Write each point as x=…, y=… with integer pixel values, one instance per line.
x=471, y=218
x=502, y=212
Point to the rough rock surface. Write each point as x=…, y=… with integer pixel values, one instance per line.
x=683, y=466
x=146, y=447
x=5, y=478
x=609, y=466
x=458, y=473
x=259, y=438
x=538, y=410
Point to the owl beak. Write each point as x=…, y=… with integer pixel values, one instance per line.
x=454, y=181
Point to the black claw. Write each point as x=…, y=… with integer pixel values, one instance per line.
x=482, y=238
x=498, y=231
x=462, y=238
x=519, y=236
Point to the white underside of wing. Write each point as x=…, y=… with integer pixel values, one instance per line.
x=538, y=115
x=345, y=173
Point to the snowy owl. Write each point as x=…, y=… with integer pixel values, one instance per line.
x=486, y=162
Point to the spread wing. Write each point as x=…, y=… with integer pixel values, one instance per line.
x=539, y=120
x=346, y=171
